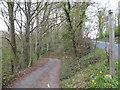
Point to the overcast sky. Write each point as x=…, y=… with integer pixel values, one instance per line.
x=113, y=3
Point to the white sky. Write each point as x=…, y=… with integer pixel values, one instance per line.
x=113, y=3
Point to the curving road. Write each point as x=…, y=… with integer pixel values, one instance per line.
x=47, y=76
x=105, y=46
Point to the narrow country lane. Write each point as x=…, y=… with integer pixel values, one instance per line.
x=105, y=46
x=47, y=76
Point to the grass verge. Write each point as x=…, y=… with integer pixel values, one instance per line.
x=91, y=71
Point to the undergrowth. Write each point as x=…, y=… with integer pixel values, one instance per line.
x=88, y=72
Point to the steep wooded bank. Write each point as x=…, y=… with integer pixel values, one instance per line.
x=90, y=71
x=36, y=28
x=49, y=29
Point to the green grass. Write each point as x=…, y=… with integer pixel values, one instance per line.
x=91, y=76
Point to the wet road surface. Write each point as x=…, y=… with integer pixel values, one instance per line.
x=105, y=46
x=47, y=76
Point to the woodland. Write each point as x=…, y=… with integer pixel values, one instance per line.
x=56, y=29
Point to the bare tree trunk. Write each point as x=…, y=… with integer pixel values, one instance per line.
x=100, y=17
x=30, y=61
x=12, y=32
x=71, y=28
x=27, y=34
x=37, y=35
x=39, y=31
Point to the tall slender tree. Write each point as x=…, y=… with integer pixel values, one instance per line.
x=12, y=31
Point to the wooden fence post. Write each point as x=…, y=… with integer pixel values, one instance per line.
x=0, y=60
x=111, y=45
